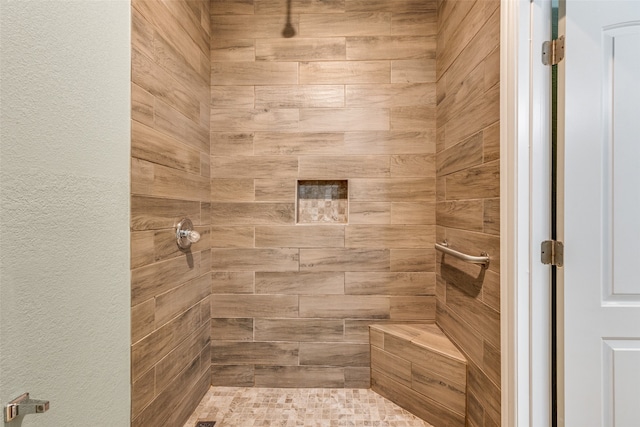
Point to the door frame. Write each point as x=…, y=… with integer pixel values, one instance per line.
x=525, y=193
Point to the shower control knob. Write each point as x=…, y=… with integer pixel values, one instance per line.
x=185, y=234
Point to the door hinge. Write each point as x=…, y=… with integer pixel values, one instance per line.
x=552, y=252
x=553, y=51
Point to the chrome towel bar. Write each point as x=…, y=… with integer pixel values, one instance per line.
x=483, y=259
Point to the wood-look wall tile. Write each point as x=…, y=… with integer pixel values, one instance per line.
x=227, y=7
x=232, y=190
x=250, y=26
x=343, y=119
x=334, y=354
x=413, y=71
x=141, y=105
x=299, y=96
x=301, y=49
x=195, y=78
x=153, y=146
x=477, y=114
x=287, y=143
x=183, y=355
x=159, y=83
x=344, y=72
x=247, y=259
x=415, y=402
x=252, y=213
x=232, y=282
x=254, y=167
x=141, y=33
x=390, y=236
x=154, y=279
x=181, y=298
x=254, y=352
x=391, y=47
x=420, y=118
x=491, y=290
x=485, y=320
x=275, y=190
x=232, y=329
x=413, y=260
x=232, y=237
x=355, y=377
x=232, y=375
x=394, y=367
x=299, y=376
x=396, y=6
x=413, y=165
x=150, y=213
x=302, y=282
x=254, y=120
x=161, y=181
x=345, y=24
x=167, y=408
x=381, y=283
x=348, y=259
x=397, y=142
x=142, y=319
x=392, y=189
x=142, y=249
x=491, y=217
x=486, y=392
x=437, y=386
x=324, y=167
x=414, y=24
x=190, y=21
x=141, y=176
x=231, y=143
x=418, y=213
x=426, y=357
x=376, y=338
x=142, y=392
x=466, y=214
x=299, y=330
x=152, y=348
x=391, y=95
x=491, y=366
x=232, y=97
x=205, y=165
x=270, y=7
x=300, y=237
x=476, y=182
x=460, y=37
x=460, y=333
x=369, y=212
x=463, y=155
x=233, y=50
x=180, y=127
x=345, y=306
x=491, y=143
x=357, y=330
x=254, y=73
x=413, y=308
x=171, y=30
x=243, y=305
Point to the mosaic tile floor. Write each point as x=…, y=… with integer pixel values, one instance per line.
x=288, y=407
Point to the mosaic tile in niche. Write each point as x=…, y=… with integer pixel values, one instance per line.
x=323, y=202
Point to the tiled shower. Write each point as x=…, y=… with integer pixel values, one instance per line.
x=380, y=120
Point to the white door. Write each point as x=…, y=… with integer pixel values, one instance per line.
x=64, y=229
x=601, y=228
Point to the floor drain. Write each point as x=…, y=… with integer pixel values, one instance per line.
x=205, y=423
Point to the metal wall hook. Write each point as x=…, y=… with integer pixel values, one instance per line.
x=24, y=405
x=185, y=235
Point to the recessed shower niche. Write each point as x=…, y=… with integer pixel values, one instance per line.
x=322, y=202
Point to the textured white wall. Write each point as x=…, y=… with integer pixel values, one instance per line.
x=64, y=209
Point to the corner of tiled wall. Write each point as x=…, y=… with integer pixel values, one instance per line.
x=170, y=351
x=468, y=191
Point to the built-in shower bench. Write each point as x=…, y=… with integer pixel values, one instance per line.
x=417, y=367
